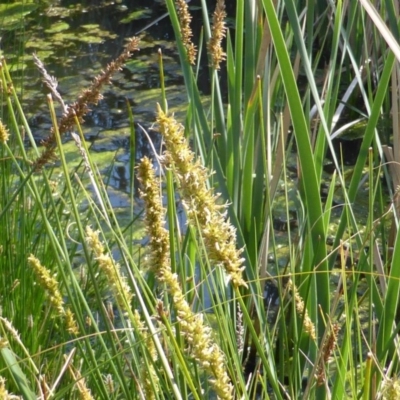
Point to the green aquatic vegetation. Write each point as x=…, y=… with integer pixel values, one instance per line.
x=57, y=27
x=134, y=16
x=11, y=15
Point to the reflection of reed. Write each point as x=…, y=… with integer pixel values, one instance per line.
x=121, y=177
x=154, y=22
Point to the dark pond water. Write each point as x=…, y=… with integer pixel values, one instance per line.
x=75, y=40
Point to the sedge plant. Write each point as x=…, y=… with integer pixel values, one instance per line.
x=227, y=305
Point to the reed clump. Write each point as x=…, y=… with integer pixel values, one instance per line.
x=51, y=286
x=200, y=202
x=4, y=394
x=218, y=32
x=186, y=31
x=302, y=311
x=198, y=336
x=4, y=133
x=149, y=377
x=111, y=269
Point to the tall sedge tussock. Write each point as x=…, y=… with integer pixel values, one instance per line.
x=200, y=202
x=201, y=345
x=4, y=134
x=218, y=33
x=150, y=380
x=308, y=324
x=111, y=269
x=186, y=32
x=4, y=394
x=391, y=388
x=328, y=347
x=84, y=392
x=273, y=38
x=50, y=284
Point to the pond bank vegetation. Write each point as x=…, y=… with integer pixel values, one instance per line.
x=213, y=308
